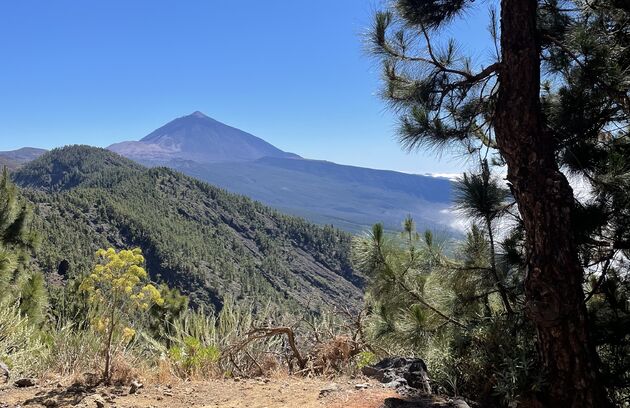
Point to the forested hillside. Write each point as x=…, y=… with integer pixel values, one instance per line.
x=208, y=243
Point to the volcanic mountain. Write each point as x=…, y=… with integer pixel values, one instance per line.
x=198, y=138
x=348, y=197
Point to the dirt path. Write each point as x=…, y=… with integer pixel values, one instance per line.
x=274, y=393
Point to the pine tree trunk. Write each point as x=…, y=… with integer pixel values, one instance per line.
x=553, y=284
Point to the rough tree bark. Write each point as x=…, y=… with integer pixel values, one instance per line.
x=553, y=284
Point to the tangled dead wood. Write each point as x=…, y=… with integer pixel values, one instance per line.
x=262, y=333
x=325, y=349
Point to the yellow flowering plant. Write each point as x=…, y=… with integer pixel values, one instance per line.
x=118, y=285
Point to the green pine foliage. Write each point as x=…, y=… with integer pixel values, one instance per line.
x=460, y=306
x=448, y=311
x=199, y=239
x=20, y=280
x=446, y=99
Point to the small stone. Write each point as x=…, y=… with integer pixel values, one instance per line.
x=25, y=382
x=135, y=386
x=330, y=388
x=363, y=386
x=459, y=404
x=49, y=403
x=92, y=401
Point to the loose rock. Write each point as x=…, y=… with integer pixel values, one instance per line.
x=92, y=401
x=135, y=386
x=401, y=372
x=329, y=389
x=49, y=403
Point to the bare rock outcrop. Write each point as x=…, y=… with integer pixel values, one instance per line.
x=407, y=375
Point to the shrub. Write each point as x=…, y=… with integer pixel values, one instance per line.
x=20, y=345
x=118, y=289
x=194, y=358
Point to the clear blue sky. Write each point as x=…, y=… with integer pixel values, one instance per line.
x=290, y=71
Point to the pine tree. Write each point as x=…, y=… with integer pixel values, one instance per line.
x=19, y=279
x=554, y=99
x=451, y=309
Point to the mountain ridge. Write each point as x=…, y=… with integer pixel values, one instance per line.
x=210, y=244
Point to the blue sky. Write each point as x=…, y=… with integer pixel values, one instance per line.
x=292, y=72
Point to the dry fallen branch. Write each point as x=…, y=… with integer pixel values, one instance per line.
x=263, y=333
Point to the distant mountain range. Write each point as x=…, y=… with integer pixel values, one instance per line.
x=351, y=198
x=15, y=158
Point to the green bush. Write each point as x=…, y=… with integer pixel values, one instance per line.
x=21, y=347
x=193, y=357
x=366, y=358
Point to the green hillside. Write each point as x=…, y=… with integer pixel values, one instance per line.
x=209, y=243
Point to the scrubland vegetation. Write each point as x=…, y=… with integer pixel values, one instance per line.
x=457, y=304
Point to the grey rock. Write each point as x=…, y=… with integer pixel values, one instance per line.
x=135, y=386
x=458, y=403
x=397, y=383
x=328, y=389
x=399, y=372
x=92, y=401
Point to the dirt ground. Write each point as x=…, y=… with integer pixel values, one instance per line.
x=245, y=393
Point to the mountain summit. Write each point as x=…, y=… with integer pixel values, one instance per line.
x=201, y=139
x=348, y=197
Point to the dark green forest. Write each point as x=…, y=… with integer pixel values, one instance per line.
x=207, y=243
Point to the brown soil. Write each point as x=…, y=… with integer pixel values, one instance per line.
x=246, y=393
